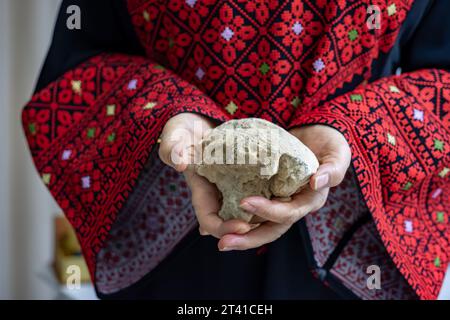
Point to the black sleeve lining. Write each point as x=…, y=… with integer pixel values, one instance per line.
x=429, y=47
x=105, y=27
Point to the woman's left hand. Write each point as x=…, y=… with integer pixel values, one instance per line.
x=334, y=155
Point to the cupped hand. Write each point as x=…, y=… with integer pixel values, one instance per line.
x=334, y=155
x=179, y=139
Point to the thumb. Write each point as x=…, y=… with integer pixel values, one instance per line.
x=331, y=172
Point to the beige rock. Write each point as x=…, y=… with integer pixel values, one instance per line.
x=253, y=157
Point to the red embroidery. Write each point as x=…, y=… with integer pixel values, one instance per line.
x=266, y=54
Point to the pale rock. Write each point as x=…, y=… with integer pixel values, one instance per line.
x=253, y=157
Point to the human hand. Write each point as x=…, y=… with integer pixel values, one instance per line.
x=180, y=136
x=334, y=155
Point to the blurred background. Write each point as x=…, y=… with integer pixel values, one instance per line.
x=26, y=208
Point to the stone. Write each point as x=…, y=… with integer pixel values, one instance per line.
x=253, y=157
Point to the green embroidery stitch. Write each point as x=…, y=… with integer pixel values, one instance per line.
x=440, y=216
x=438, y=145
x=111, y=137
x=158, y=67
x=356, y=98
x=264, y=68
x=437, y=262
x=296, y=102
x=391, y=139
x=171, y=42
x=90, y=133
x=32, y=128
x=173, y=188
x=407, y=186
x=353, y=34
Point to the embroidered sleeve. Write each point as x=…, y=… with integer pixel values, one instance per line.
x=91, y=131
x=399, y=132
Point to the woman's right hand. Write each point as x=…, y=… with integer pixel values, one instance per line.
x=180, y=136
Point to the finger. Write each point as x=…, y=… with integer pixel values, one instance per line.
x=203, y=232
x=205, y=200
x=174, y=155
x=332, y=171
x=173, y=147
x=238, y=230
x=266, y=233
x=179, y=157
x=280, y=211
x=212, y=224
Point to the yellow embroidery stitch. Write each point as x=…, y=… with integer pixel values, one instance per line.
x=76, y=86
x=150, y=105
x=231, y=107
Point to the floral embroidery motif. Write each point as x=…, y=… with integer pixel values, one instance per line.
x=318, y=65
x=200, y=73
x=297, y=28
x=227, y=34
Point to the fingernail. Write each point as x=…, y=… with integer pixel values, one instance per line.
x=248, y=207
x=321, y=181
x=254, y=226
x=203, y=233
x=225, y=249
x=243, y=230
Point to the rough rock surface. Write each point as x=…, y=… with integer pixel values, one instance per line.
x=253, y=157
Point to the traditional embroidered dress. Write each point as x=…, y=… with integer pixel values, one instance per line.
x=107, y=90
